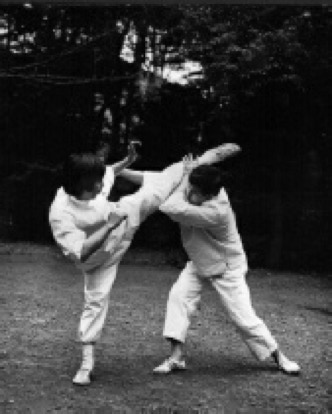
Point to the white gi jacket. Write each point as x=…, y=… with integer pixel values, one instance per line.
x=72, y=221
x=209, y=232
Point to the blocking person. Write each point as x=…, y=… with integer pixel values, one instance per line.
x=95, y=233
x=211, y=239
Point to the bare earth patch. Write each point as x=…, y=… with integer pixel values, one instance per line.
x=40, y=304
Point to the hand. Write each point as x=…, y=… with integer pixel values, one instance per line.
x=189, y=163
x=132, y=154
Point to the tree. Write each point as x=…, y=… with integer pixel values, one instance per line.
x=259, y=63
x=73, y=56
x=265, y=83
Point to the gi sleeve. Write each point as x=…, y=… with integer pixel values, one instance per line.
x=68, y=237
x=208, y=214
x=108, y=181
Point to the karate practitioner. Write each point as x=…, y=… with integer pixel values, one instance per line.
x=211, y=239
x=95, y=233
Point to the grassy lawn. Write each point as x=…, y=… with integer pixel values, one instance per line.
x=40, y=304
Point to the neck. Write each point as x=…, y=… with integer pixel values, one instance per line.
x=85, y=196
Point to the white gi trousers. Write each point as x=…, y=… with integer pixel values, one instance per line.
x=234, y=294
x=98, y=280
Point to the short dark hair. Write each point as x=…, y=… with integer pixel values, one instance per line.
x=207, y=178
x=80, y=172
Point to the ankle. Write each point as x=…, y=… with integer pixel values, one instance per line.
x=176, y=350
x=176, y=357
x=89, y=346
x=88, y=358
x=276, y=355
x=280, y=358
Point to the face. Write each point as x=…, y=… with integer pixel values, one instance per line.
x=195, y=197
x=90, y=195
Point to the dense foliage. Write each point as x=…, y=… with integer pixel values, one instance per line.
x=77, y=78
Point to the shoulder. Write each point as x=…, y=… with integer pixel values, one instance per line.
x=60, y=208
x=223, y=196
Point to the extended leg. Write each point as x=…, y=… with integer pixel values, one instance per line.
x=134, y=176
x=211, y=156
x=235, y=297
x=137, y=207
x=156, y=187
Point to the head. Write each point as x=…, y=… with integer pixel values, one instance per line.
x=205, y=182
x=83, y=175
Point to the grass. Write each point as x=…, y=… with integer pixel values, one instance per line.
x=40, y=304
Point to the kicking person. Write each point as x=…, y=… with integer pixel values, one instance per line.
x=211, y=239
x=95, y=233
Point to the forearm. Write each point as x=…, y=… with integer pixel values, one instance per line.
x=118, y=167
x=183, y=183
x=96, y=240
x=204, y=216
x=133, y=176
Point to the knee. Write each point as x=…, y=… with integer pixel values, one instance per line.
x=174, y=294
x=179, y=297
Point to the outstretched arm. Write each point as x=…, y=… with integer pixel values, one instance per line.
x=133, y=176
x=137, y=177
x=131, y=157
x=207, y=215
x=189, y=163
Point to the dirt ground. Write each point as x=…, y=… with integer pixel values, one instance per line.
x=40, y=304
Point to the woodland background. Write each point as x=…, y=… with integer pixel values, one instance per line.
x=80, y=78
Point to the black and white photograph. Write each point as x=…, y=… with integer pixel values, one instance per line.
x=165, y=212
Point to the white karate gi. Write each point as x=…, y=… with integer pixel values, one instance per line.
x=72, y=221
x=211, y=239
